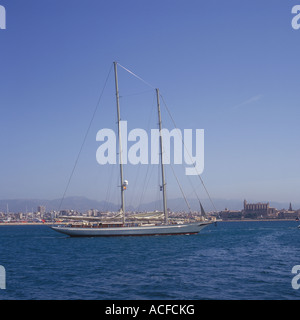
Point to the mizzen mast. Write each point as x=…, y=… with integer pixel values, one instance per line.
x=161, y=160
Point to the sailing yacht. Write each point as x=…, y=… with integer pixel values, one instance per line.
x=94, y=227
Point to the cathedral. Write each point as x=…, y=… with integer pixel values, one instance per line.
x=252, y=210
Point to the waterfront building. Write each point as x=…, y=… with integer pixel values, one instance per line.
x=41, y=210
x=230, y=214
x=257, y=210
x=256, y=206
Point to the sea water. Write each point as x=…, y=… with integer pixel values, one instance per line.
x=233, y=260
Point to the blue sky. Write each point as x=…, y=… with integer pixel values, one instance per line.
x=228, y=67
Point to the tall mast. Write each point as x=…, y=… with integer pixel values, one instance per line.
x=161, y=159
x=120, y=143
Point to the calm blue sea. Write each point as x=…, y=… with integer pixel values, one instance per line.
x=234, y=260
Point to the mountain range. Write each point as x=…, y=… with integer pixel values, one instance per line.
x=82, y=204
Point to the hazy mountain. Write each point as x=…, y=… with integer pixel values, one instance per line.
x=82, y=204
x=76, y=203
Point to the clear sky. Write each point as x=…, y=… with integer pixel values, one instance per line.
x=230, y=67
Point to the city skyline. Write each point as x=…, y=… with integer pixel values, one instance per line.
x=94, y=211
x=230, y=70
x=82, y=204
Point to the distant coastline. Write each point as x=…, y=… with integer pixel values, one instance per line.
x=258, y=220
x=42, y=215
x=28, y=223
x=82, y=204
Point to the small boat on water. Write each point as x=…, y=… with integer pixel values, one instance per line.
x=153, y=226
